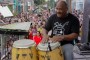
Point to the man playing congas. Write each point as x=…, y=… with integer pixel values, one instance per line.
x=65, y=28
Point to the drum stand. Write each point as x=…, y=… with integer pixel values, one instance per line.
x=1, y=46
x=6, y=54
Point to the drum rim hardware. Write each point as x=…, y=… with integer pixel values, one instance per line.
x=44, y=47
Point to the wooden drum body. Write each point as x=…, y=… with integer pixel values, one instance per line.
x=45, y=54
x=24, y=50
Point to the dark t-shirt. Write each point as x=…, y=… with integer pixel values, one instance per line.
x=65, y=26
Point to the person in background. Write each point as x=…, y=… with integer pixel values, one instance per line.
x=43, y=23
x=30, y=34
x=34, y=29
x=37, y=38
x=39, y=28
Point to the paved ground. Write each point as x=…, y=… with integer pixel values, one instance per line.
x=81, y=57
x=76, y=57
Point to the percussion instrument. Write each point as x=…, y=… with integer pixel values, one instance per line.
x=24, y=49
x=50, y=51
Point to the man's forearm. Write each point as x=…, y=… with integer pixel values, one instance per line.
x=44, y=32
x=70, y=36
x=45, y=35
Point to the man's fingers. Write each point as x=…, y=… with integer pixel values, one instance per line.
x=53, y=39
x=44, y=41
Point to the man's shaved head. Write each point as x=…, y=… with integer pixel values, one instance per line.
x=61, y=8
x=64, y=3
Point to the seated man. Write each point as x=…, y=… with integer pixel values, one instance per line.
x=65, y=28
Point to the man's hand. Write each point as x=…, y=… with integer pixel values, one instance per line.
x=45, y=39
x=57, y=38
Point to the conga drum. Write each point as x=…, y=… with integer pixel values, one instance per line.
x=50, y=51
x=24, y=50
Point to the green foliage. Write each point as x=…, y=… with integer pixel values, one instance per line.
x=15, y=14
x=10, y=7
x=39, y=2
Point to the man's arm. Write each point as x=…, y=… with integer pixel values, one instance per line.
x=69, y=37
x=44, y=32
x=45, y=35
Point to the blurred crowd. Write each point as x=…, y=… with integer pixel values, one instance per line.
x=25, y=17
x=79, y=15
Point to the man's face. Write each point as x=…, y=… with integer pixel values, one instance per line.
x=61, y=10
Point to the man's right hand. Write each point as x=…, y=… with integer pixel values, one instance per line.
x=45, y=39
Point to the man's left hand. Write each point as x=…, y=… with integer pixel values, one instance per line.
x=57, y=38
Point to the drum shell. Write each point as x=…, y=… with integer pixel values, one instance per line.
x=24, y=51
x=55, y=54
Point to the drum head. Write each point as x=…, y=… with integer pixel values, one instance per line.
x=44, y=47
x=24, y=43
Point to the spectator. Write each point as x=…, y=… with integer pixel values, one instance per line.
x=30, y=34
x=37, y=38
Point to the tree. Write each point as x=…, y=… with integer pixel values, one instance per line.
x=39, y=2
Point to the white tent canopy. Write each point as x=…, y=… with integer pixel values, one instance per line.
x=5, y=11
x=18, y=26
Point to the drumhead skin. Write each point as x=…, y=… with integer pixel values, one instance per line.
x=24, y=43
x=44, y=47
